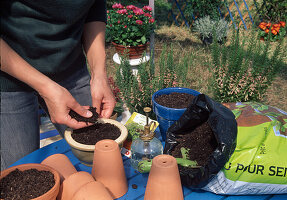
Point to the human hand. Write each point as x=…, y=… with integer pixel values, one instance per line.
x=102, y=96
x=59, y=102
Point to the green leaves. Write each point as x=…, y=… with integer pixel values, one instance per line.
x=243, y=74
x=143, y=39
x=129, y=29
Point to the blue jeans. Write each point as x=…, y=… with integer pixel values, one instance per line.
x=20, y=134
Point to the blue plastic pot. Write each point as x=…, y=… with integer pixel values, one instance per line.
x=167, y=116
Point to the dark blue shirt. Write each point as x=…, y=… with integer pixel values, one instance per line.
x=47, y=34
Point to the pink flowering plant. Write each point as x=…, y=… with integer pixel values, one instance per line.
x=130, y=25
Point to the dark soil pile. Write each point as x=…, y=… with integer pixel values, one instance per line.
x=175, y=100
x=80, y=118
x=27, y=184
x=92, y=134
x=201, y=142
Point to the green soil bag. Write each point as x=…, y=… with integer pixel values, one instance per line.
x=259, y=162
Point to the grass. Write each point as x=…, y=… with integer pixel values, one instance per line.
x=187, y=42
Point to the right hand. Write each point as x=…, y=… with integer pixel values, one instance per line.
x=59, y=102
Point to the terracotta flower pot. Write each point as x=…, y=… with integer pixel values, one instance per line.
x=133, y=52
x=108, y=167
x=85, y=153
x=93, y=191
x=62, y=164
x=53, y=192
x=164, y=180
x=73, y=183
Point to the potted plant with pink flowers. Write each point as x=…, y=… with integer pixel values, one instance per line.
x=129, y=28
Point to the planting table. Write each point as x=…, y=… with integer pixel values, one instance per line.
x=136, y=181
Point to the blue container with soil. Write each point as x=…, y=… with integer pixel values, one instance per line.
x=167, y=116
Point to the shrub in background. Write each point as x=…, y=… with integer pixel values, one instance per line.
x=241, y=74
x=273, y=10
x=209, y=28
x=137, y=91
x=201, y=8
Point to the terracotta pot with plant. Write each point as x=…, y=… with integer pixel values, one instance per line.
x=129, y=29
x=22, y=182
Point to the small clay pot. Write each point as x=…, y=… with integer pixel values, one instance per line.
x=85, y=153
x=93, y=191
x=61, y=164
x=73, y=183
x=108, y=167
x=53, y=192
x=164, y=180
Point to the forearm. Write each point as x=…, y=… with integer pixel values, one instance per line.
x=94, y=45
x=17, y=67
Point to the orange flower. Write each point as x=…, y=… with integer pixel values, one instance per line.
x=263, y=24
x=274, y=32
x=262, y=27
x=269, y=24
x=282, y=23
x=267, y=31
x=276, y=25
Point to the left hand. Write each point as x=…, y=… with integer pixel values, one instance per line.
x=102, y=96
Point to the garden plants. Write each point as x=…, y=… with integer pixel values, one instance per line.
x=276, y=31
x=136, y=92
x=244, y=74
x=201, y=8
x=210, y=29
x=130, y=26
x=273, y=10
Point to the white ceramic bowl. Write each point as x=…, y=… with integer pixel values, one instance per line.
x=85, y=152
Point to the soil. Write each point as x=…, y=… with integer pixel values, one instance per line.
x=80, y=118
x=134, y=186
x=175, y=100
x=201, y=142
x=27, y=184
x=90, y=135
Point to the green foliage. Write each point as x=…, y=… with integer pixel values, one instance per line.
x=208, y=27
x=129, y=25
x=241, y=74
x=202, y=8
x=137, y=91
x=273, y=10
x=134, y=130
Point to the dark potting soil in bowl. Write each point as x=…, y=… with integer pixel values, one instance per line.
x=90, y=135
x=27, y=184
x=201, y=142
x=80, y=118
x=175, y=100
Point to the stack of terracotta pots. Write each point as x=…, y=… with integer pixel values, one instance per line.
x=108, y=180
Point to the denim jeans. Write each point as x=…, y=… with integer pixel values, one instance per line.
x=20, y=133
